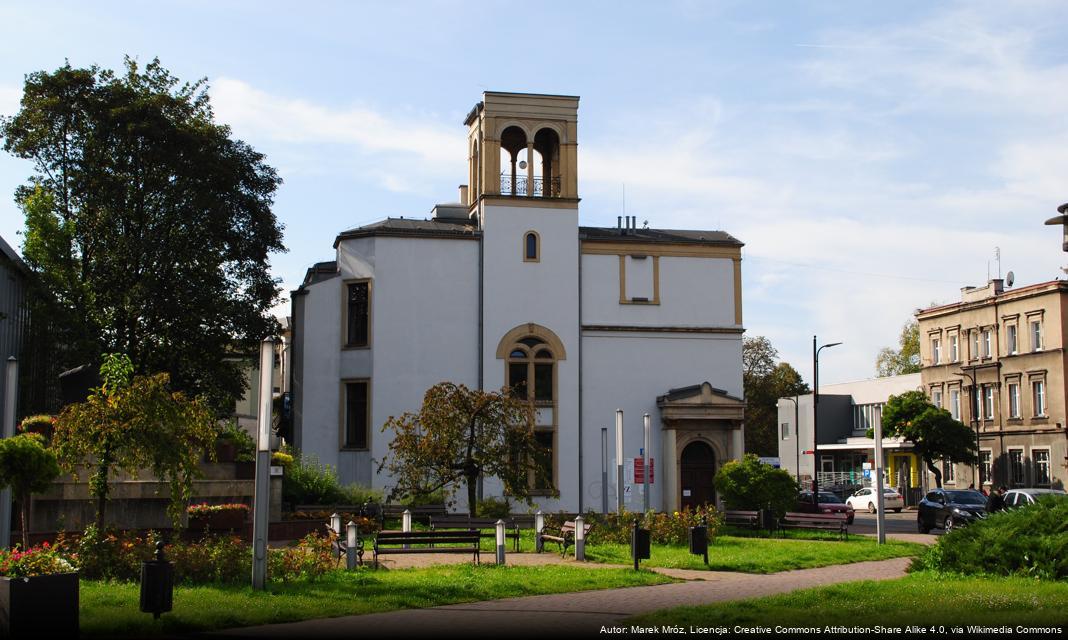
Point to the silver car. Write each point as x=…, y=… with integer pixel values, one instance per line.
x=1023, y=497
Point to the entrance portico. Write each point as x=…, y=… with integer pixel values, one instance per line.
x=702, y=428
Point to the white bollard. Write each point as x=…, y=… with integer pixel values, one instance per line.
x=539, y=527
x=351, y=542
x=580, y=540
x=500, y=542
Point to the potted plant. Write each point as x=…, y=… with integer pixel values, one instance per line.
x=217, y=517
x=27, y=467
x=234, y=444
x=41, y=424
x=38, y=593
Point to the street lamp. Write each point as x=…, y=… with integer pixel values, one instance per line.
x=970, y=373
x=261, y=489
x=815, y=418
x=1061, y=220
x=797, y=436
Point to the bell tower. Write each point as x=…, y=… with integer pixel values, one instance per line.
x=523, y=146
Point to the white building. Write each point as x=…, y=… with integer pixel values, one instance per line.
x=505, y=287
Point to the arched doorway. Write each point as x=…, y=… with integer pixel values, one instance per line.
x=697, y=469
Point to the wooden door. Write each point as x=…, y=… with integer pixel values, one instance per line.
x=697, y=470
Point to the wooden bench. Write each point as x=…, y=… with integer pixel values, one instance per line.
x=420, y=513
x=824, y=521
x=465, y=522
x=402, y=542
x=564, y=535
x=747, y=519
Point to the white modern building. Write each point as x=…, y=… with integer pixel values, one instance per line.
x=504, y=287
x=845, y=451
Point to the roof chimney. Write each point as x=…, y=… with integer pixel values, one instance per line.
x=463, y=194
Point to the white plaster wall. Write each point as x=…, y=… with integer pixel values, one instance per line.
x=320, y=386
x=545, y=293
x=425, y=326
x=694, y=292
x=628, y=371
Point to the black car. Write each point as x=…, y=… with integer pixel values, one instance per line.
x=949, y=508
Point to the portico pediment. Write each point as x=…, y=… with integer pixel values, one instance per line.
x=699, y=407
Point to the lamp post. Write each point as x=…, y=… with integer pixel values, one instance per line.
x=645, y=466
x=970, y=373
x=816, y=418
x=797, y=437
x=262, y=491
x=604, y=470
x=1061, y=220
x=619, y=460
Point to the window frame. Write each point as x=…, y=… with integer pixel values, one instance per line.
x=987, y=343
x=1039, y=385
x=936, y=350
x=986, y=467
x=954, y=348
x=1034, y=326
x=1036, y=465
x=1012, y=338
x=343, y=422
x=949, y=472
x=345, y=342
x=537, y=246
x=988, y=401
x=1013, y=467
x=1013, y=391
x=531, y=361
x=954, y=402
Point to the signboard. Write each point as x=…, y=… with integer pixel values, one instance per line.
x=772, y=461
x=808, y=452
x=639, y=464
x=866, y=466
x=867, y=474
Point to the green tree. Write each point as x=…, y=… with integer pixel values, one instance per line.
x=149, y=226
x=134, y=423
x=765, y=380
x=933, y=432
x=460, y=435
x=904, y=359
x=27, y=467
x=751, y=484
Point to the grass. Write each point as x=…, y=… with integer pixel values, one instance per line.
x=760, y=555
x=111, y=609
x=922, y=598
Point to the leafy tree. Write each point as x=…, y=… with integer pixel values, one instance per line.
x=751, y=484
x=460, y=435
x=149, y=226
x=765, y=381
x=904, y=359
x=933, y=432
x=27, y=467
x=132, y=423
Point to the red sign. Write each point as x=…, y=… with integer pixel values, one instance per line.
x=639, y=465
x=809, y=452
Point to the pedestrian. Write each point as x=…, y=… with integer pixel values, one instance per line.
x=997, y=500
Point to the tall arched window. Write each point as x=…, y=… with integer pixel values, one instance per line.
x=530, y=373
x=531, y=247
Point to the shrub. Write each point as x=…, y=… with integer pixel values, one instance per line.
x=752, y=484
x=204, y=510
x=309, y=559
x=42, y=424
x=664, y=528
x=1031, y=541
x=35, y=561
x=308, y=482
x=494, y=508
x=417, y=499
x=244, y=443
x=356, y=494
x=281, y=459
x=215, y=559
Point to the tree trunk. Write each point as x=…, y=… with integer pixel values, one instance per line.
x=935, y=471
x=472, y=495
x=24, y=504
x=101, y=489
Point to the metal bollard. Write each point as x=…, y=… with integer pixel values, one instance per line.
x=539, y=526
x=580, y=540
x=352, y=541
x=500, y=542
x=406, y=524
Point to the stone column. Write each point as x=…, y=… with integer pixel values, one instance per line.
x=669, y=461
x=737, y=443
x=530, y=169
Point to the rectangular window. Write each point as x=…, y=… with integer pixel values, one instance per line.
x=1014, y=400
x=357, y=314
x=1017, y=477
x=785, y=430
x=517, y=379
x=954, y=403
x=1041, y=458
x=936, y=398
x=988, y=401
x=1036, y=335
x=949, y=473
x=1038, y=397
x=356, y=432
x=986, y=343
x=543, y=382
x=936, y=351
x=975, y=345
x=984, y=466
x=954, y=348
x=1011, y=330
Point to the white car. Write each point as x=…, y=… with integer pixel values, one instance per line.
x=865, y=499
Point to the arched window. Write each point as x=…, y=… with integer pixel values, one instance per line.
x=532, y=371
x=531, y=247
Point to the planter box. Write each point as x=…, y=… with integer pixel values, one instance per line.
x=39, y=607
x=222, y=521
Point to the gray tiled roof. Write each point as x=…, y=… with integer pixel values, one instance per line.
x=412, y=226
x=671, y=236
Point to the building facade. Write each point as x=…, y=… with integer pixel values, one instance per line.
x=504, y=288
x=846, y=412
x=996, y=360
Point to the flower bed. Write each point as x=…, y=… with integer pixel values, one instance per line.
x=217, y=517
x=38, y=593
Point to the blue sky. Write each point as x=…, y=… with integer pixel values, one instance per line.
x=870, y=155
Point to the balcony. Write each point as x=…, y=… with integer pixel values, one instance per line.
x=521, y=186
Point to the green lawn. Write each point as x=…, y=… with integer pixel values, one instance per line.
x=918, y=599
x=111, y=609
x=760, y=555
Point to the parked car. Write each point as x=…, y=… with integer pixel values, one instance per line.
x=865, y=499
x=1022, y=497
x=949, y=508
x=829, y=503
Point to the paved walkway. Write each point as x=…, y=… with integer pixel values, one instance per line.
x=572, y=614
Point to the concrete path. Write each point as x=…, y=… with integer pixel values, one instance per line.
x=571, y=614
